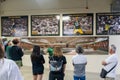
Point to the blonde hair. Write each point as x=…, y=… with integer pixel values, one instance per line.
x=57, y=51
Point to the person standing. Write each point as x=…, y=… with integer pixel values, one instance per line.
x=79, y=62
x=16, y=53
x=37, y=60
x=57, y=56
x=110, y=62
x=8, y=68
x=7, y=48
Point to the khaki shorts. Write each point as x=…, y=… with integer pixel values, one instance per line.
x=19, y=63
x=107, y=78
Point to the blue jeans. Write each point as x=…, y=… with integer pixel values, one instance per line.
x=79, y=78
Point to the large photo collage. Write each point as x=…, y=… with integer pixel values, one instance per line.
x=77, y=29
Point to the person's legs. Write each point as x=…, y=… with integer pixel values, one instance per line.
x=51, y=76
x=83, y=78
x=39, y=76
x=60, y=77
x=76, y=78
x=34, y=77
x=107, y=78
x=19, y=63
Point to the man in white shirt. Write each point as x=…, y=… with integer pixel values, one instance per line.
x=110, y=62
x=79, y=62
x=9, y=70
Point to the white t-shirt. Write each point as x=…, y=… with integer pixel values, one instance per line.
x=111, y=61
x=9, y=70
x=79, y=62
x=79, y=59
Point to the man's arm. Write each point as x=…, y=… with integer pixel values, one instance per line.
x=104, y=63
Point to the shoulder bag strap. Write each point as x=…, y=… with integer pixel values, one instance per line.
x=112, y=68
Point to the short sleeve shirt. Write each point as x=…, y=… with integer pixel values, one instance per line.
x=58, y=58
x=111, y=61
x=9, y=70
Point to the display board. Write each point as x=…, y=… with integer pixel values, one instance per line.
x=14, y=26
x=45, y=25
x=77, y=24
x=108, y=23
x=92, y=45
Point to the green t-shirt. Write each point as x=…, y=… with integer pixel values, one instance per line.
x=50, y=51
x=7, y=52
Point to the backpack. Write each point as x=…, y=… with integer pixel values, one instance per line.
x=56, y=66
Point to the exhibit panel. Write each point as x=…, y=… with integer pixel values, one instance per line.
x=92, y=45
x=14, y=26
x=77, y=24
x=45, y=25
x=108, y=23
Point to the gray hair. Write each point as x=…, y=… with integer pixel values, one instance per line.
x=79, y=49
x=113, y=47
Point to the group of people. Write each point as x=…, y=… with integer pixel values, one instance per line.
x=14, y=52
x=10, y=65
x=57, y=63
x=38, y=61
x=79, y=61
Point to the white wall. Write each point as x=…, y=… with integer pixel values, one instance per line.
x=28, y=7
x=37, y=7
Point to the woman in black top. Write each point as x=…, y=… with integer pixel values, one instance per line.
x=37, y=60
x=57, y=56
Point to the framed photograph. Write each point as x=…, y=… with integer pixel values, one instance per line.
x=45, y=25
x=108, y=23
x=94, y=45
x=77, y=24
x=14, y=26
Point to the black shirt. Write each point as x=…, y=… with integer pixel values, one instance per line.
x=16, y=53
x=37, y=64
x=63, y=58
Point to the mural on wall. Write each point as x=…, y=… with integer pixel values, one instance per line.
x=92, y=45
x=108, y=23
x=77, y=24
x=45, y=25
x=14, y=26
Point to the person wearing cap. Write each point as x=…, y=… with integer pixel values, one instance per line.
x=50, y=51
x=110, y=62
x=79, y=62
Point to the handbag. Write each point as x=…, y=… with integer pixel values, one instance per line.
x=104, y=72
